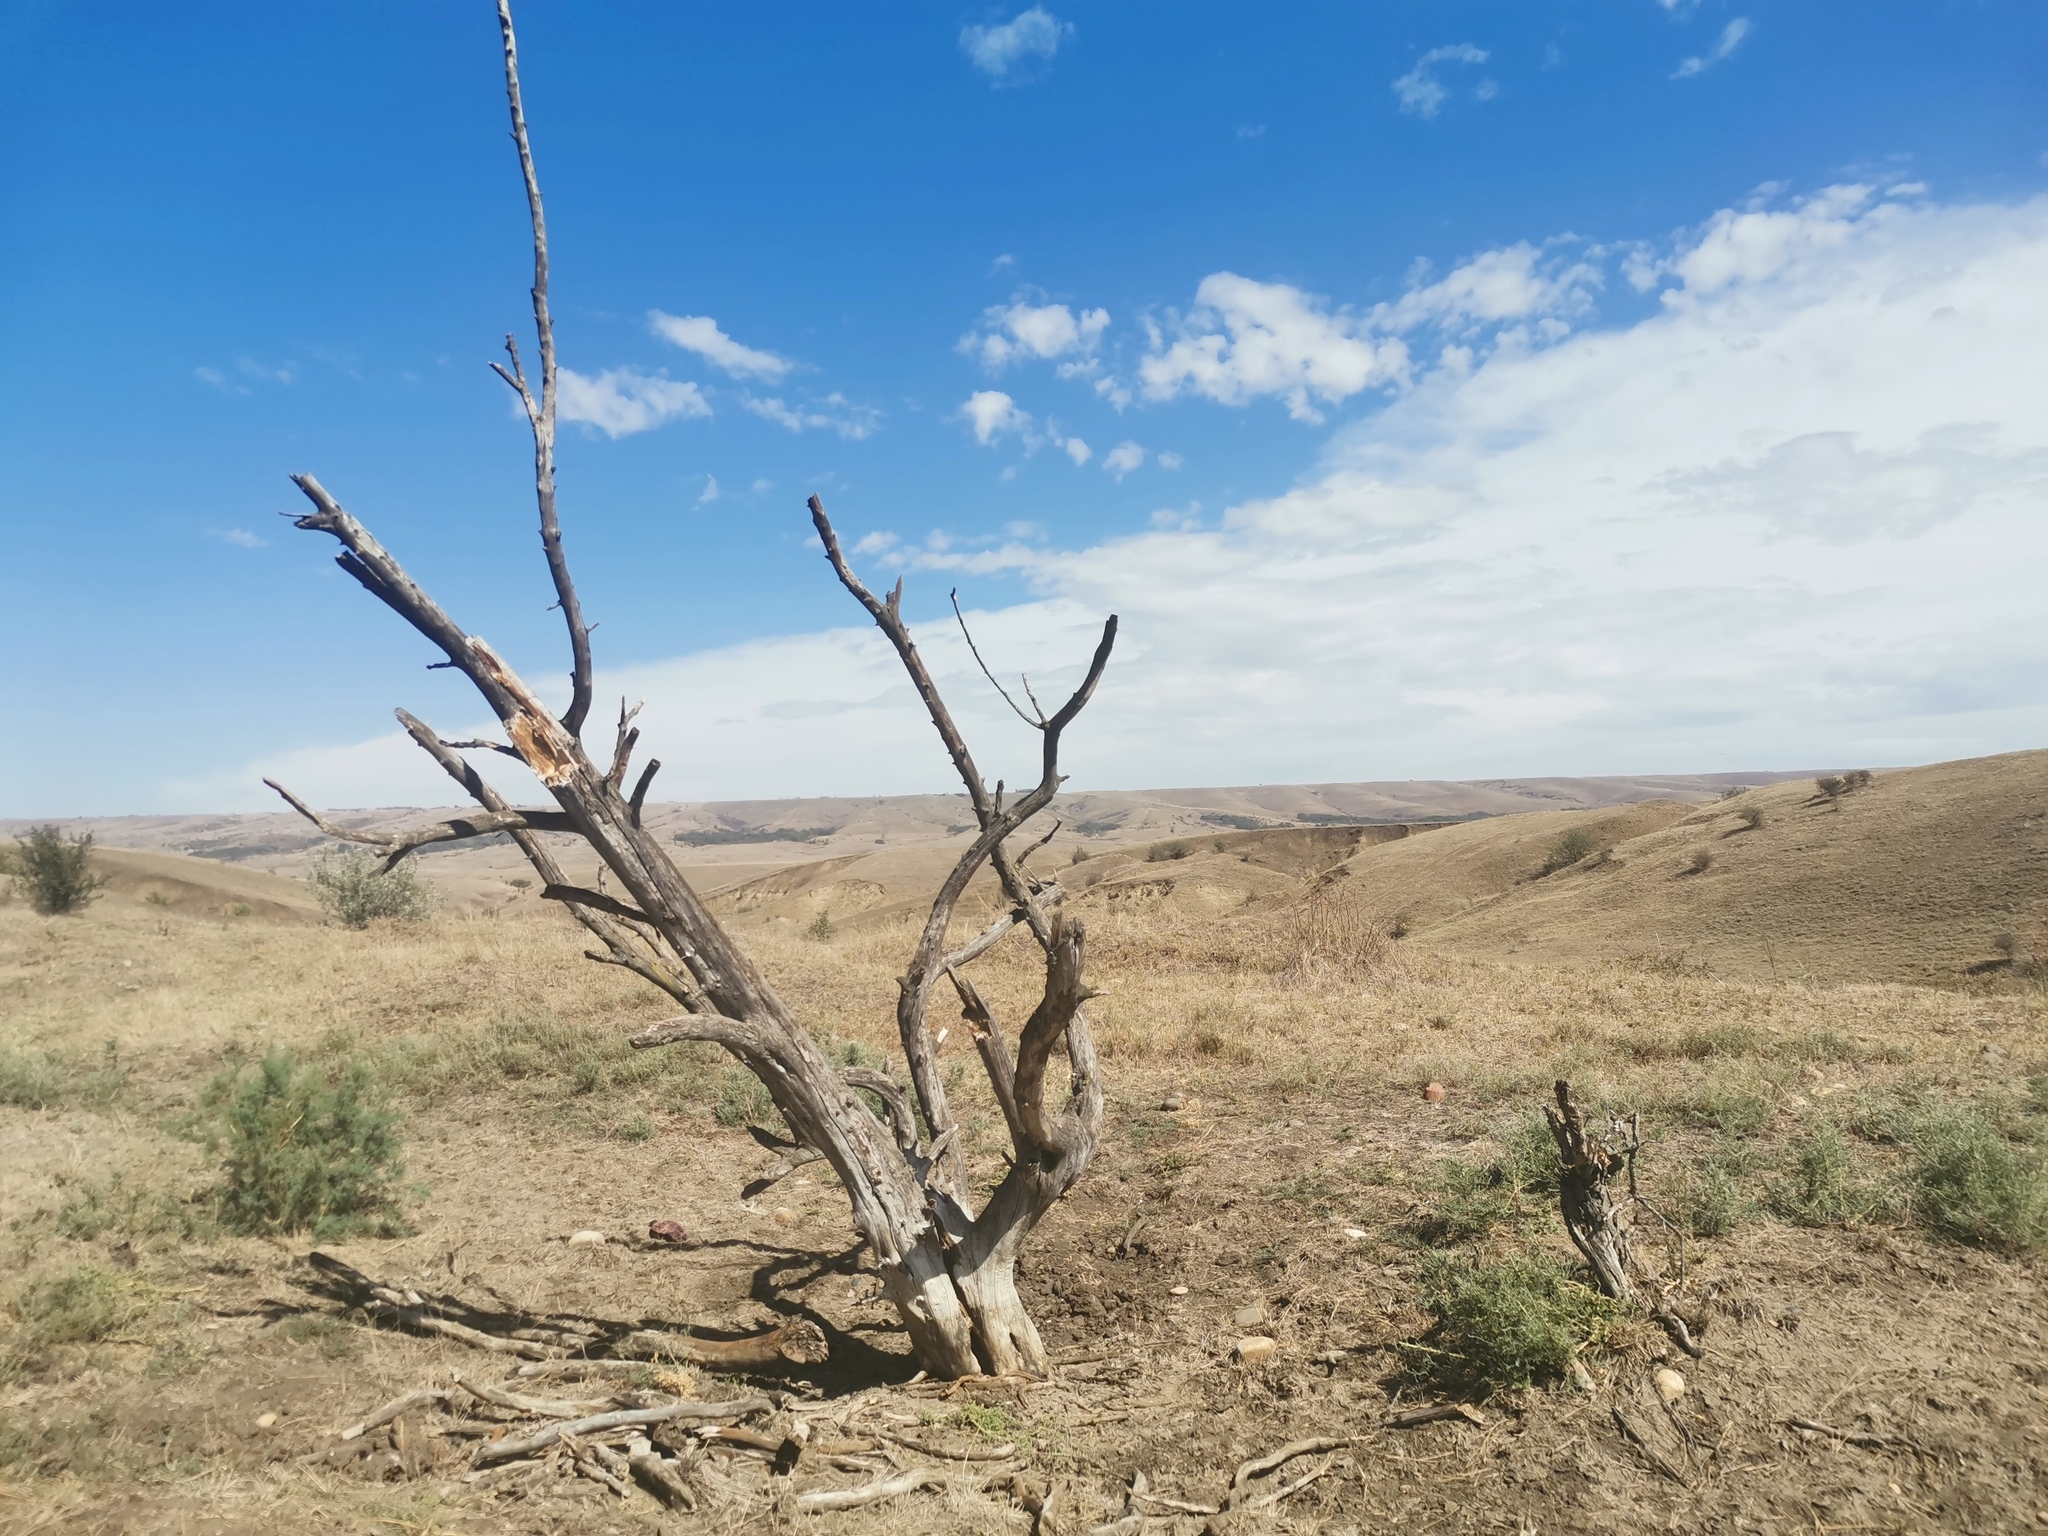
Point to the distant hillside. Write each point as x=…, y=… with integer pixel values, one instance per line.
x=1908, y=879
x=771, y=833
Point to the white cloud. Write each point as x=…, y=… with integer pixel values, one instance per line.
x=1123, y=458
x=1020, y=330
x=1169, y=461
x=622, y=401
x=1730, y=39
x=1247, y=338
x=1077, y=450
x=1421, y=93
x=1030, y=37
x=834, y=413
x=700, y=334
x=994, y=414
x=710, y=492
x=241, y=538
x=1796, y=516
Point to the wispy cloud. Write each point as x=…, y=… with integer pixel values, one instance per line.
x=622, y=401
x=1031, y=37
x=1123, y=458
x=1422, y=93
x=1730, y=39
x=834, y=413
x=710, y=492
x=700, y=334
x=241, y=538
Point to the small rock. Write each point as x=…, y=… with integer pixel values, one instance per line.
x=266, y=1421
x=1356, y=1234
x=1434, y=1092
x=1178, y=1290
x=665, y=1231
x=589, y=1237
x=1256, y=1349
x=1251, y=1316
x=1170, y=1103
x=1670, y=1385
x=783, y=1215
x=1581, y=1377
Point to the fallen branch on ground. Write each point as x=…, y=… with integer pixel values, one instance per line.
x=826, y=1500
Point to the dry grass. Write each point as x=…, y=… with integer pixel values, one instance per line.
x=1296, y=1032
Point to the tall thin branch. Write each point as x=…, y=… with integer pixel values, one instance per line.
x=1035, y=722
x=542, y=414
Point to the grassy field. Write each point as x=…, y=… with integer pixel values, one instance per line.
x=1849, y=1174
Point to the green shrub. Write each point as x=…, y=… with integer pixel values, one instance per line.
x=44, y=1081
x=54, y=871
x=1080, y=855
x=356, y=890
x=1710, y=1200
x=1528, y=1160
x=29, y=1082
x=1471, y=1202
x=306, y=1150
x=635, y=1127
x=1567, y=850
x=820, y=926
x=1751, y=817
x=1826, y=1186
x=1160, y=853
x=743, y=1099
x=1508, y=1324
x=94, y=1209
x=1972, y=1185
x=79, y=1306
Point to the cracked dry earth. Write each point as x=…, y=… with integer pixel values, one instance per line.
x=1923, y=1361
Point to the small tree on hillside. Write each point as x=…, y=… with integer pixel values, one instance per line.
x=948, y=1266
x=55, y=871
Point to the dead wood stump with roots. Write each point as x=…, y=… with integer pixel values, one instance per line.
x=950, y=1269
x=1590, y=1214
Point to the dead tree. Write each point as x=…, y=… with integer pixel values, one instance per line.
x=1590, y=1215
x=949, y=1268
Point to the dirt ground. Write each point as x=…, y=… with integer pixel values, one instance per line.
x=1271, y=1167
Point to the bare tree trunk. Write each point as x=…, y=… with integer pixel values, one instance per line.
x=950, y=1272
x=1590, y=1215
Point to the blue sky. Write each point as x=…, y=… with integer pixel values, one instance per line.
x=1437, y=389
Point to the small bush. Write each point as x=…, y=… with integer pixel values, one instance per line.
x=1080, y=855
x=1710, y=1201
x=1325, y=934
x=1512, y=1323
x=1751, y=817
x=305, y=1150
x=54, y=871
x=635, y=1127
x=46, y=1081
x=743, y=1099
x=29, y=1082
x=1567, y=850
x=1972, y=1185
x=1833, y=786
x=1528, y=1160
x=1160, y=853
x=79, y=1306
x=1701, y=861
x=1827, y=1187
x=820, y=927
x=355, y=892
x=96, y=1209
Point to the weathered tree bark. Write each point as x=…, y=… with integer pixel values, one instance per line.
x=949, y=1270
x=1590, y=1215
